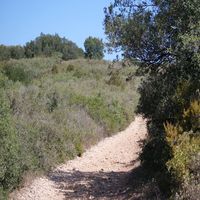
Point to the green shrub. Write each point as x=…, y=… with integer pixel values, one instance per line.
x=3, y=81
x=70, y=68
x=116, y=79
x=18, y=73
x=52, y=102
x=55, y=69
x=111, y=116
x=161, y=102
x=190, y=189
x=155, y=154
x=185, y=146
x=25, y=70
x=10, y=164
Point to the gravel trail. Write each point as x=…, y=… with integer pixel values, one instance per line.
x=103, y=172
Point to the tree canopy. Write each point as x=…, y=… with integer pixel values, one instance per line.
x=94, y=48
x=48, y=45
x=151, y=32
x=45, y=45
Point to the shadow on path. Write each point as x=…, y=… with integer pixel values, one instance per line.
x=104, y=185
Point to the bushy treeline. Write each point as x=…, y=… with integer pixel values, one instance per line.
x=45, y=45
x=164, y=36
x=51, y=111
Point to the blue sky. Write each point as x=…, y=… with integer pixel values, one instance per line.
x=23, y=20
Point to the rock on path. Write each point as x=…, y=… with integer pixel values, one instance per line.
x=101, y=173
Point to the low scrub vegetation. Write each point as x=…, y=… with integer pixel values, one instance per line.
x=52, y=111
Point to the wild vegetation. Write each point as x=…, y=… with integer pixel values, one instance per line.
x=94, y=48
x=164, y=37
x=52, y=110
x=45, y=45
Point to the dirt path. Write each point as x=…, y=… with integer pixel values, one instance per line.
x=103, y=172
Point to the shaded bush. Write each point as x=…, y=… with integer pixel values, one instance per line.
x=52, y=102
x=116, y=79
x=70, y=67
x=156, y=154
x=55, y=69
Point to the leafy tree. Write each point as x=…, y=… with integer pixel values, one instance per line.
x=150, y=32
x=17, y=52
x=164, y=37
x=4, y=53
x=93, y=48
x=30, y=49
x=48, y=45
x=70, y=50
x=45, y=45
x=14, y=52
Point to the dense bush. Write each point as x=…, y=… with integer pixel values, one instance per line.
x=10, y=163
x=161, y=101
x=116, y=79
x=190, y=189
x=25, y=70
x=185, y=148
x=111, y=116
x=14, y=52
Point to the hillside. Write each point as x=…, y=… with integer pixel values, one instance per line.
x=56, y=109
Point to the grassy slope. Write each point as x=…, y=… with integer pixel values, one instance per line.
x=61, y=108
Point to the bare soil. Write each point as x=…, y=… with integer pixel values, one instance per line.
x=109, y=170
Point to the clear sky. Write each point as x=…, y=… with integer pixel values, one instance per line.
x=23, y=20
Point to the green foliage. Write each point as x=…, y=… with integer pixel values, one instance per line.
x=190, y=189
x=184, y=145
x=93, y=48
x=116, y=79
x=10, y=164
x=187, y=145
x=25, y=70
x=47, y=45
x=55, y=69
x=15, y=52
x=70, y=67
x=4, y=53
x=52, y=102
x=3, y=81
x=17, y=73
x=155, y=154
x=191, y=119
x=56, y=116
x=152, y=32
x=164, y=37
x=111, y=116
